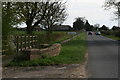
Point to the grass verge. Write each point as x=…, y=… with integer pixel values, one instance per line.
x=55, y=37
x=112, y=37
x=71, y=52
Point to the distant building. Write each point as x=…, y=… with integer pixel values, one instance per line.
x=22, y=29
x=38, y=28
x=62, y=28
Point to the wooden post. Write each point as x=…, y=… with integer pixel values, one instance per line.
x=25, y=43
x=17, y=44
x=21, y=43
x=29, y=42
x=35, y=40
x=32, y=41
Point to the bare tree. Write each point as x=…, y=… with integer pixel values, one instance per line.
x=55, y=15
x=113, y=4
x=35, y=13
x=32, y=13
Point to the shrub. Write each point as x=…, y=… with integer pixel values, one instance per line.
x=117, y=34
x=106, y=32
x=8, y=46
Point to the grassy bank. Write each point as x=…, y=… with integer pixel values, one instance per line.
x=56, y=36
x=71, y=52
x=112, y=37
x=112, y=34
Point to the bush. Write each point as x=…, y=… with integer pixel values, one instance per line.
x=112, y=34
x=20, y=57
x=106, y=32
x=117, y=34
x=8, y=46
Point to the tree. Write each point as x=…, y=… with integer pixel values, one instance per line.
x=9, y=17
x=33, y=13
x=79, y=23
x=88, y=27
x=96, y=27
x=113, y=4
x=55, y=15
x=115, y=28
x=6, y=19
x=104, y=28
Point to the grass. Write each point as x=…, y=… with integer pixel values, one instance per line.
x=17, y=32
x=55, y=37
x=112, y=34
x=112, y=37
x=71, y=52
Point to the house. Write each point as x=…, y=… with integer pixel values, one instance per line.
x=38, y=28
x=62, y=28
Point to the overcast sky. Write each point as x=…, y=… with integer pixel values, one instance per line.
x=92, y=10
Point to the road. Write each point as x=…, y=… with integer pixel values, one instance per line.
x=102, y=57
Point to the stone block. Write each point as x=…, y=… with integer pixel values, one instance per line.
x=53, y=50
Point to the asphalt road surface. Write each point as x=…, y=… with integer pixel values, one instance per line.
x=102, y=57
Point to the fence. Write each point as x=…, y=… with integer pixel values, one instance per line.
x=20, y=42
x=25, y=42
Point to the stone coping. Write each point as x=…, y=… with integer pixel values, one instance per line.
x=53, y=50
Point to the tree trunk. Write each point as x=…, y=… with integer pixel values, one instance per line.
x=49, y=33
x=29, y=28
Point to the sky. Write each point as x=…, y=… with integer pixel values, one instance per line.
x=92, y=10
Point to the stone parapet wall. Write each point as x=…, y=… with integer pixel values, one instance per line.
x=53, y=50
